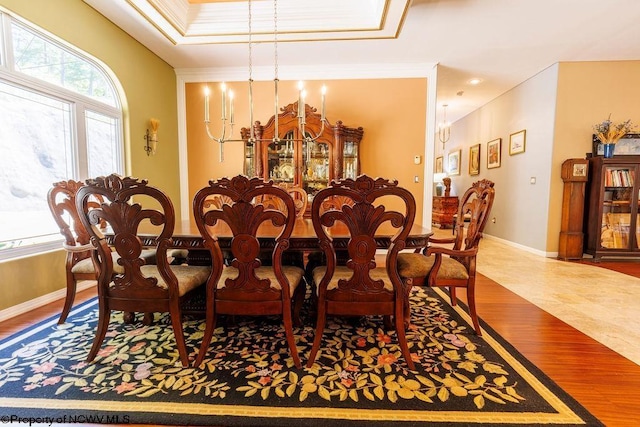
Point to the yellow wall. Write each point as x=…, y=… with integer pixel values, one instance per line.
x=587, y=93
x=148, y=90
x=391, y=111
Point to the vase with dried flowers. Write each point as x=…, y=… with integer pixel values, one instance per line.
x=609, y=133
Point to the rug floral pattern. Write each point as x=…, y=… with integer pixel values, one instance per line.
x=359, y=361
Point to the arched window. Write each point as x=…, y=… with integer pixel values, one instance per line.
x=60, y=118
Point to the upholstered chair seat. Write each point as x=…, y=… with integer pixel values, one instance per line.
x=86, y=265
x=345, y=273
x=293, y=274
x=189, y=276
x=418, y=265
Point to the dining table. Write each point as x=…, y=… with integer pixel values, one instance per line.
x=187, y=236
x=303, y=239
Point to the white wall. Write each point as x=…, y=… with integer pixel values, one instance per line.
x=521, y=209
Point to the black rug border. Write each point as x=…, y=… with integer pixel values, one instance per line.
x=59, y=416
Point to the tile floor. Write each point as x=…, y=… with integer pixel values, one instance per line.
x=601, y=303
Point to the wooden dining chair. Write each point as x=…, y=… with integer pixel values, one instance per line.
x=246, y=287
x=360, y=287
x=130, y=284
x=454, y=267
x=61, y=199
x=78, y=266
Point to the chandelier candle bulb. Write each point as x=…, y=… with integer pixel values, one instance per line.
x=206, y=104
x=300, y=104
x=223, y=86
x=231, y=122
x=324, y=92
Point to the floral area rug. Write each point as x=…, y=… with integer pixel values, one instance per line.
x=248, y=379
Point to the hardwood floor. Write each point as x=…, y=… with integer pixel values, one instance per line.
x=604, y=382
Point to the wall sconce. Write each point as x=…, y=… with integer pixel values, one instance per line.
x=444, y=128
x=151, y=137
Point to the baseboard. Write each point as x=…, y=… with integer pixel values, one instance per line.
x=27, y=306
x=522, y=247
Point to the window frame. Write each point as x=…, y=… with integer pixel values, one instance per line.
x=80, y=104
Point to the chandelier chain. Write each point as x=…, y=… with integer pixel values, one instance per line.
x=275, y=37
x=250, y=44
x=228, y=105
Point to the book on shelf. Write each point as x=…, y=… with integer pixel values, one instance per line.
x=619, y=178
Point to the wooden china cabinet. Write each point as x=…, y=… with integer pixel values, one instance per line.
x=300, y=162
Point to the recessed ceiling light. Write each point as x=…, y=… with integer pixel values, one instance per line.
x=474, y=81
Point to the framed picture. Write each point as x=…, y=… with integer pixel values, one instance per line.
x=517, y=142
x=494, y=153
x=474, y=159
x=454, y=163
x=439, y=167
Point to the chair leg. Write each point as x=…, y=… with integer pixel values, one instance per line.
x=104, y=315
x=148, y=318
x=291, y=340
x=176, y=322
x=321, y=320
x=402, y=339
x=210, y=326
x=471, y=300
x=452, y=294
x=70, y=297
x=408, y=285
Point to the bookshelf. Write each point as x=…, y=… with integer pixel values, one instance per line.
x=611, y=207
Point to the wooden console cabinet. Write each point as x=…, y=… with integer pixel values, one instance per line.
x=443, y=210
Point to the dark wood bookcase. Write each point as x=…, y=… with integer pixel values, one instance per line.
x=612, y=226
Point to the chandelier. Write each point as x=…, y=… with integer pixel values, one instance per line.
x=444, y=128
x=227, y=99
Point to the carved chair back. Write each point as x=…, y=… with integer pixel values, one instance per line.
x=62, y=203
x=476, y=205
x=361, y=211
x=244, y=217
x=123, y=217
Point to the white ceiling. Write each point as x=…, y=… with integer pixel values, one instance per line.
x=501, y=42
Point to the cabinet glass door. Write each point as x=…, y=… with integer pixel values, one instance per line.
x=350, y=162
x=315, y=158
x=249, y=159
x=281, y=161
x=638, y=223
x=616, y=209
